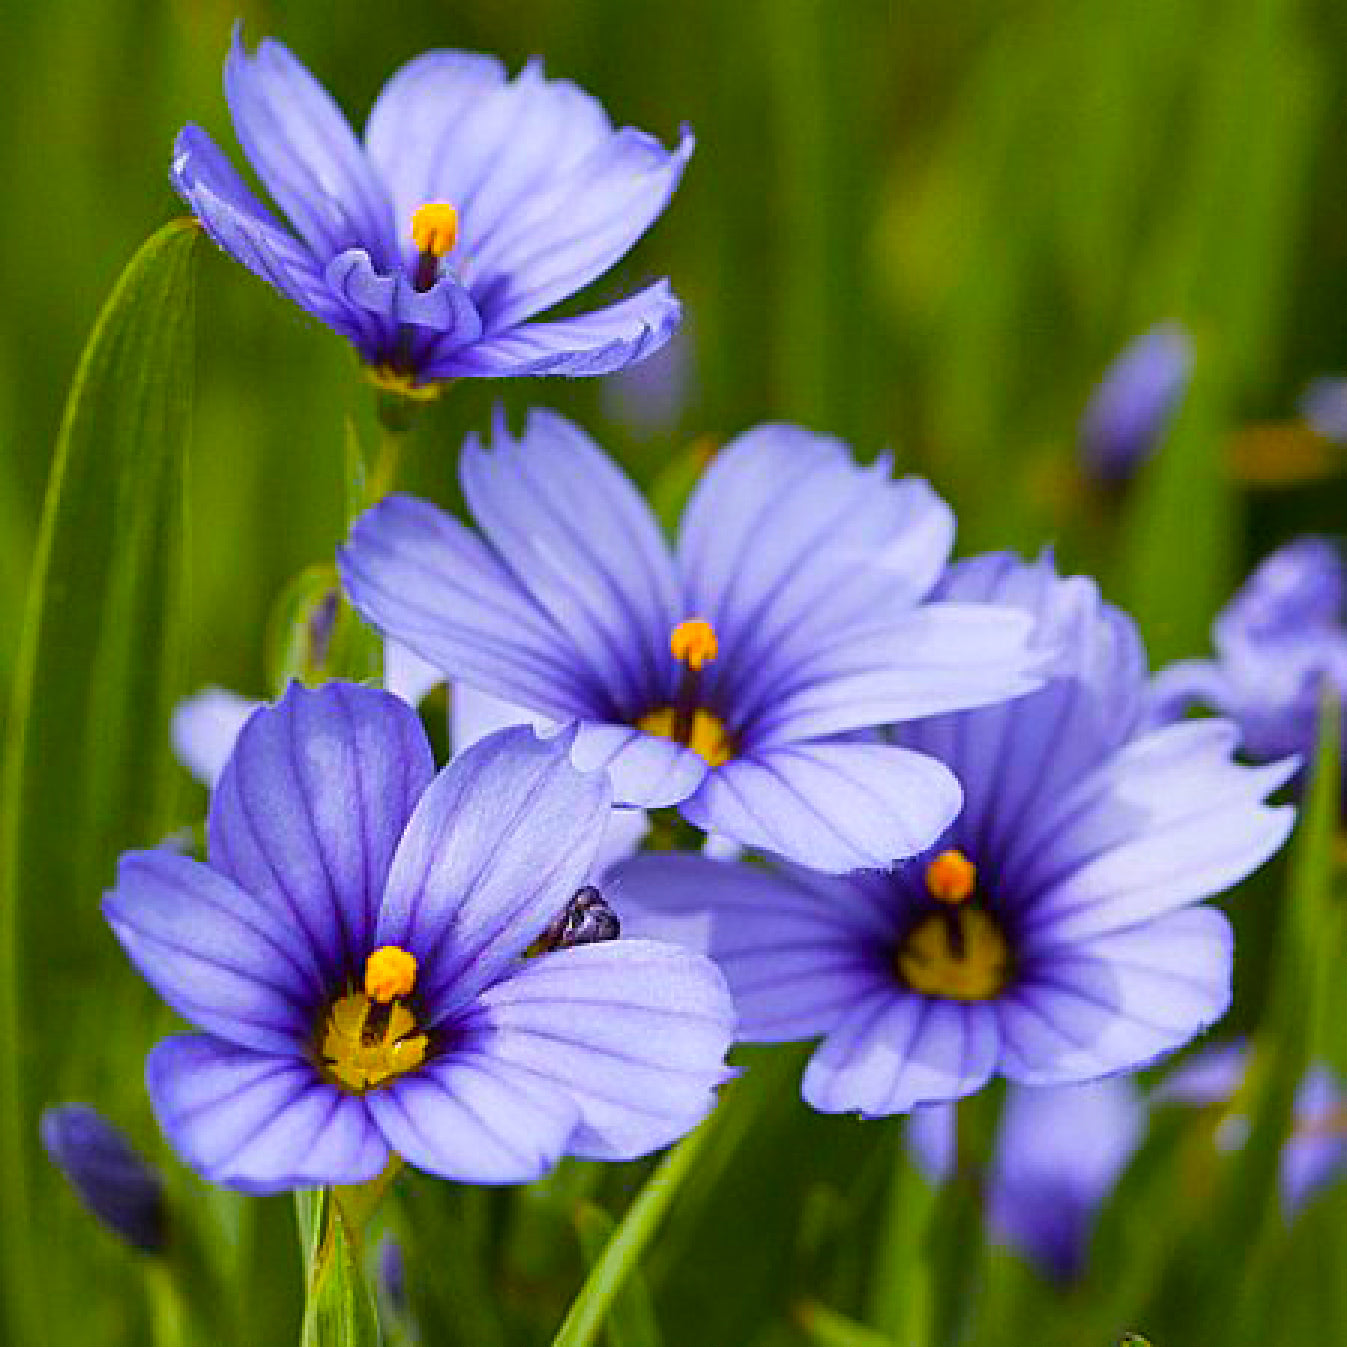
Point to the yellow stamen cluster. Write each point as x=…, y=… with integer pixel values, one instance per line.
x=951, y=877
x=706, y=736
x=961, y=954
x=435, y=228
x=370, y=1037
x=693, y=643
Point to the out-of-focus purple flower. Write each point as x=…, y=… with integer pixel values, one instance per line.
x=120, y=1188
x=391, y=1278
x=1315, y=1153
x=728, y=679
x=473, y=203
x=1128, y=413
x=1054, y=934
x=1324, y=408
x=650, y=397
x=1059, y=1152
x=351, y=953
x=1280, y=646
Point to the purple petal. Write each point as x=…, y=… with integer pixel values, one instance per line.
x=1059, y=1153
x=835, y=805
x=936, y=658
x=1314, y=1156
x=634, y=1031
x=473, y=715
x=407, y=675
x=309, y=810
x=471, y=1118
x=248, y=232
x=562, y=229
x=1015, y=761
x=1118, y=1001
x=593, y=343
x=796, y=959
x=498, y=844
x=303, y=149
x=409, y=134
x=390, y=301
x=1129, y=410
x=235, y=966
x=1210, y=1077
x=895, y=1050
x=422, y=578
x=584, y=545
x=258, y=1123
x=113, y=1180
x=205, y=728
x=788, y=547
x=645, y=770
x=1166, y=821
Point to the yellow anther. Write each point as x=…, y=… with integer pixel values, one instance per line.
x=693, y=643
x=363, y=1044
x=390, y=972
x=706, y=736
x=951, y=877
x=960, y=954
x=435, y=228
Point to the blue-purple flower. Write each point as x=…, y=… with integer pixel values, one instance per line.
x=354, y=953
x=1058, y=1154
x=1132, y=405
x=730, y=677
x=1054, y=934
x=1280, y=646
x=1323, y=405
x=112, y=1179
x=473, y=203
x=1312, y=1157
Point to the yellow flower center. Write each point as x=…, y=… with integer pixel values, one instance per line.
x=693, y=644
x=961, y=954
x=706, y=735
x=393, y=380
x=369, y=1037
x=435, y=228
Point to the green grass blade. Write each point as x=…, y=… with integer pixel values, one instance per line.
x=86, y=767
x=638, y=1227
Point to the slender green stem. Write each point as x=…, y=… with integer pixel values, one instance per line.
x=625, y=1247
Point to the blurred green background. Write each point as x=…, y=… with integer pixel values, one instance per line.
x=923, y=225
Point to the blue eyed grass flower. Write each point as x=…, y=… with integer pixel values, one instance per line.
x=353, y=953
x=472, y=203
x=1280, y=650
x=113, y=1180
x=1132, y=405
x=1054, y=934
x=1312, y=1157
x=1058, y=1154
x=734, y=677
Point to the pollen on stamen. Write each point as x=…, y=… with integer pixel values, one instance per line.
x=951, y=877
x=390, y=972
x=435, y=228
x=693, y=643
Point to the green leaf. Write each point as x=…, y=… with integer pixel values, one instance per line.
x=632, y=1318
x=86, y=764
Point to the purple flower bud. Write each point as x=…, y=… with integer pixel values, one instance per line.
x=124, y=1192
x=1324, y=408
x=1132, y=404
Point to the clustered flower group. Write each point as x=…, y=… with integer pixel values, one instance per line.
x=968, y=835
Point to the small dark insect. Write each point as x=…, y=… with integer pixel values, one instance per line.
x=585, y=920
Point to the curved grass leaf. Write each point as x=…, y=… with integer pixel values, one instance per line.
x=86, y=769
